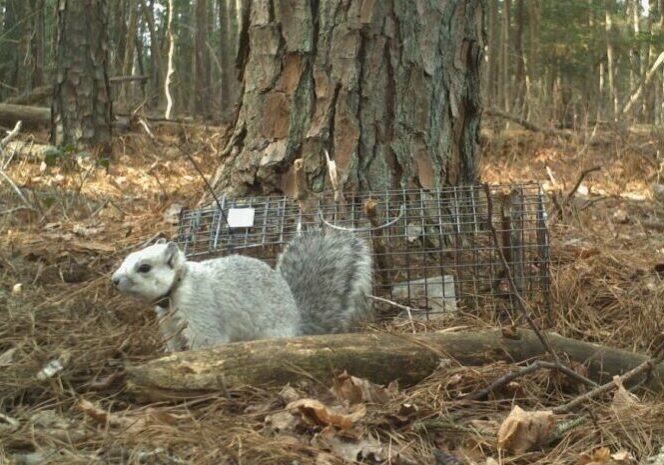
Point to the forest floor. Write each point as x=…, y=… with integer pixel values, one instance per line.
x=65, y=334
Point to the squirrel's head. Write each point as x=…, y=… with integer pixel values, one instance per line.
x=150, y=273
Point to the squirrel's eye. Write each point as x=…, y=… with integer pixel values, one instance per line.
x=145, y=268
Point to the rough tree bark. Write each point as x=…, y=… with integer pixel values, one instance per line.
x=81, y=109
x=389, y=88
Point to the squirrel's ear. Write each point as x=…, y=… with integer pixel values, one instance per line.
x=172, y=254
x=161, y=240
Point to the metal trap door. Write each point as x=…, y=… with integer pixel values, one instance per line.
x=251, y=226
x=442, y=254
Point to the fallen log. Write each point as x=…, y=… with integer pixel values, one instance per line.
x=379, y=357
x=38, y=94
x=525, y=123
x=30, y=116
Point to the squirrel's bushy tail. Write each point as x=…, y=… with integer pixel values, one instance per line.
x=330, y=275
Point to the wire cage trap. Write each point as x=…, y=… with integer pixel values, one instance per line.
x=434, y=250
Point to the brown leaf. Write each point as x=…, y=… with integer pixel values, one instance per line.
x=318, y=413
x=521, y=430
x=603, y=456
x=625, y=404
x=350, y=448
x=355, y=390
x=131, y=422
x=172, y=213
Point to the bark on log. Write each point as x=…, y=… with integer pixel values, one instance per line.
x=27, y=149
x=379, y=357
x=38, y=94
x=31, y=116
x=41, y=116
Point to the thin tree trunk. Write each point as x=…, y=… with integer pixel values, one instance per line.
x=202, y=61
x=9, y=46
x=532, y=67
x=492, y=78
x=171, y=53
x=520, y=74
x=126, y=94
x=37, y=43
x=228, y=24
x=118, y=32
x=633, y=11
x=155, y=50
x=505, y=57
x=610, y=71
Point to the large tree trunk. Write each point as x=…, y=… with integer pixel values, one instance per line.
x=389, y=88
x=380, y=357
x=81, y=110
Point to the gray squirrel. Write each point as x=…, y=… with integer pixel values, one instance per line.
x=320, y=286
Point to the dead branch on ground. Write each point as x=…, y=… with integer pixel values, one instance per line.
x=378, y=357
x=525, y=123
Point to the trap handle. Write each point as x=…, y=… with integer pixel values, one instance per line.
x=402, y=210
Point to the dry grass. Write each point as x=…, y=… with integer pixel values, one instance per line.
x=605, y=289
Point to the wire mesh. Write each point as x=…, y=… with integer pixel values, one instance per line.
x=433, y=250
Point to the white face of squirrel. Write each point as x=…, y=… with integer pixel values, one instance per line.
x=149, y=273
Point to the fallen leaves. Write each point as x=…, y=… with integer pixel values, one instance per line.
x=355, y=390
x=132, y=422
x=522, y=431
x=318, y=413
x=603, y=456
x=625, y=405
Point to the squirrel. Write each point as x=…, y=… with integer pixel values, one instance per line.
x=320, y=286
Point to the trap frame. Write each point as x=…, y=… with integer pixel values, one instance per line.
x=433, y=250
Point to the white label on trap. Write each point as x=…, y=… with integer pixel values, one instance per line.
x=241, y=217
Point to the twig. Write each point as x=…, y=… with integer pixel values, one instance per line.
x=522, y=305
x=408, y=309
x=582, y=176
x=503, y=380
x=605, y=388
x=142, y=122
x=17, y=190
x=334, y=180
x=525, y=123
x=15, y=209
x=10, y=135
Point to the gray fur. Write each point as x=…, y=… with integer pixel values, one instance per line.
x=330, y=276
x=319, y=287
